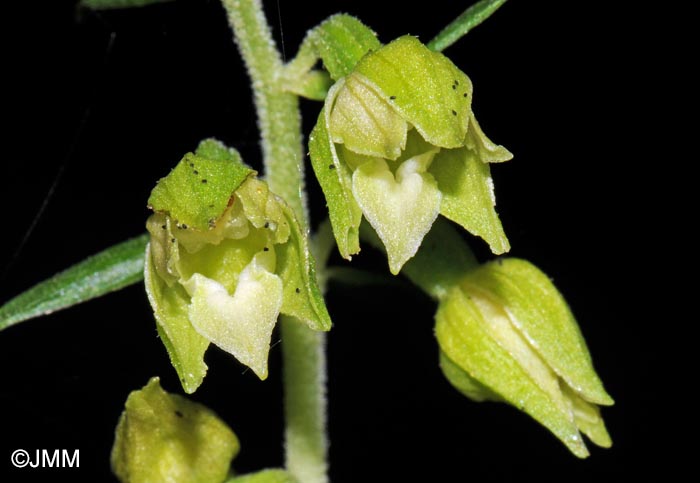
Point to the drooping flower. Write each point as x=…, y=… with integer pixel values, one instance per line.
x=506, y=334
x=398, y=143
x=226, y=257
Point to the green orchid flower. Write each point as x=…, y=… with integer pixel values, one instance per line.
x=398, y=143
x=225, y=258
x=506, y=334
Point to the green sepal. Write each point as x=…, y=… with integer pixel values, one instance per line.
x=214, y=149
x=425, y=87
x=542, y=315
x=185, y=346
x=198, y=190
x=464, y=383
x=467, y=195
x=335, y=179
x=479, y=340
x=165, y=437
x=486, y=150
x=265, y=476
x=302, y=296
x=340, y=41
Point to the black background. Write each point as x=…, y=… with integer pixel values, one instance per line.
x=99, y=106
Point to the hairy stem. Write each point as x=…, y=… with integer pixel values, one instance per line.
x=280, y=130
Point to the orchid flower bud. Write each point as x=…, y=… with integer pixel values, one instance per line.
x=398, y=143
x=506, y=334
x=165, y=437
x=226, y=257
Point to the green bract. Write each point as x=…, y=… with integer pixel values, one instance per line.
x=398, y=143
x=506, y=334
x=164, y=437
x=226, y=257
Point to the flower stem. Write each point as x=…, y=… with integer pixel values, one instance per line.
x=280, y=131
x=278, y=110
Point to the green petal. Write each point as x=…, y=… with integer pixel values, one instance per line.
x=467, y=195
x=402, y=207
x=295, y=265
x=544, y=318
x=588, y=419
x=488, y=348
x=264, y=209
x=198, y=190
x=364, y=121
x=335, y=180
x=164, y=437
x=425, y=87
x=486, y=150
x=184, y=345
x=241, y=323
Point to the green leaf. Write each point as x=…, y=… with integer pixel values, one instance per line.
x=336, y=182
x=165, y=437
x=198, y=190
x=112, y=4
x=302, y=296
x=467, y=195
x=460, y=26
x=112, y=269
x=340, y=41
x=265, y=476
x=425, y=87
x=185, y=346
x=544, y=318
